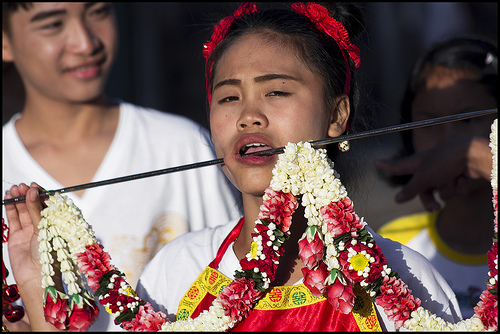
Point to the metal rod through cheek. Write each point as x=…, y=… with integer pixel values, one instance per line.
x=365, y=134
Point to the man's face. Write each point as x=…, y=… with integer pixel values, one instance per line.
x=63, y=51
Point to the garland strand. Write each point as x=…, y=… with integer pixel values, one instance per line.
x=336, y=249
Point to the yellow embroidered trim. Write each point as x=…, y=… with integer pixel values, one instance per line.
x=210, y=281
x=278, y=298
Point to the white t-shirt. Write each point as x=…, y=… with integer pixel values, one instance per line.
x=175, y=267
x=134, y=219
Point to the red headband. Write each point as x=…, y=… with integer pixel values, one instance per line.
x=316, y=13
x=220, y=32
x=320, y=17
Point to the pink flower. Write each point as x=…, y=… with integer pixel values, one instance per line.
x=278, y=208
x=146, y=320
x=487, y=310
x=340, y=293
x=311, y=247
x=396, y=300
x=340, y=217
x=238, y=298
x=94, y=262
x=56, y=308
x=315, y=279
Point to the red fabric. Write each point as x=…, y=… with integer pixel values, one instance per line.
x=229, y=239
x=318, y=317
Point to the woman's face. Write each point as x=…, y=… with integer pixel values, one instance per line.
x=449, y=92
x=263, y=97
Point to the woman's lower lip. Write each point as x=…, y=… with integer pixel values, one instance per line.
x=255, y=160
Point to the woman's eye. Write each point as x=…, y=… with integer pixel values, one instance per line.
x=278, y=93
x=229, y=99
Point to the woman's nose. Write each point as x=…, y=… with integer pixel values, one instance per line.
x=252, y=116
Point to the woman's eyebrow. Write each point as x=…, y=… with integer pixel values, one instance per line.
x=233, y=82
x=262, y=78
x=273, y=76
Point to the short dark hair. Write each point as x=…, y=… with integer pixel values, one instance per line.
x=7, y=9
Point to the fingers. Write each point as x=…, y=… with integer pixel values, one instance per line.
x=25, y=214
x=34, y=206
x=17, y=213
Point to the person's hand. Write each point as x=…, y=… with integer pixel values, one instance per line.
x=23, y=219
x=444, y=168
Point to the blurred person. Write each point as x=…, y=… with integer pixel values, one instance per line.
x=453, y=160
x=68, y=133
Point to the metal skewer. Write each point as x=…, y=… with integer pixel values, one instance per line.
x=364, y=134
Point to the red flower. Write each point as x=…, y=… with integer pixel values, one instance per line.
x=376, y=267
x=396, y=300
x=492, y=257
x=94, y=262
x=311, y=247
x=146, y=320
x=487, y=310
x=238, y=298
x=278, y=207
x=220, y=30
x=340, y=293
x=315, y=279
x=56, y=308
x=340, y=217
x=81, y=318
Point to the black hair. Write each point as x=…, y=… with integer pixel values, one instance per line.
x=7, y=9
x=469, y=53
x=317, y=49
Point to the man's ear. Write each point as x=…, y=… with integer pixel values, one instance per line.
x=340, y=115
x=7, y=55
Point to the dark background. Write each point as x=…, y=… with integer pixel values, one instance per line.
x=160, y=65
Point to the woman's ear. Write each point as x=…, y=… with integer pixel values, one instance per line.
x=6, y=48
x=340, y=115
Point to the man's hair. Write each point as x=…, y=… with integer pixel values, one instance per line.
x=8, y=8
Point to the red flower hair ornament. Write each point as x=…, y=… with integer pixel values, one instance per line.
x=318, y=15
x=220, y=32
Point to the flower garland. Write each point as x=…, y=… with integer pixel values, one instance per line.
x=336, y=249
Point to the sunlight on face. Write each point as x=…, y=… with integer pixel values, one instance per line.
x=263, y=96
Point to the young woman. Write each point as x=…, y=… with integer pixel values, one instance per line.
x=275, y=77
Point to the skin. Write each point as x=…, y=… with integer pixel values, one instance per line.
x=264, y=94
x=453, y=158
x=63, y=53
